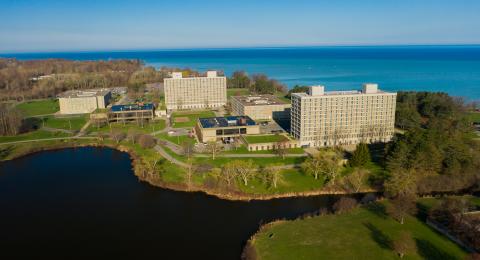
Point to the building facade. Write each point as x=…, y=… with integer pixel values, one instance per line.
x=225, y=128
x=83, y=101
x=329, y=118
x=195, y=92
x=261, y=107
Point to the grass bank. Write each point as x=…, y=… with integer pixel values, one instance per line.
x=364, y=233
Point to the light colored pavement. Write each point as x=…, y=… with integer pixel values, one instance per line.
x=167, y=156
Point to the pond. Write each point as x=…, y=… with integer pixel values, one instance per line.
x=86, y=202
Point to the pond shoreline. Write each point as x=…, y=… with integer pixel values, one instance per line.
x=155, y=179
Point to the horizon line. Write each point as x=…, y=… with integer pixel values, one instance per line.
x=238, y=48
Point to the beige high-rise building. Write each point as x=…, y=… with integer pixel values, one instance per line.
x=328, y=118
x=83, y=101
x=195, y=92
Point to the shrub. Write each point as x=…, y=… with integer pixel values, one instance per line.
x=146, y=141
x=344, y=204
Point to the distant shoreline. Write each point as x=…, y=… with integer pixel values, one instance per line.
x=459, y=45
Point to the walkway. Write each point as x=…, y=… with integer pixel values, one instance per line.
x=48, y=139
x=167, y=156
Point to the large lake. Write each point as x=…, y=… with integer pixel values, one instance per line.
x=86, y=202
x=451, y=69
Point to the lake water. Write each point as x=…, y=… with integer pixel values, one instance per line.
x=86, y=203
x=451, y=69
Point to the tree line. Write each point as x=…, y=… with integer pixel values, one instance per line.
x=257, y=83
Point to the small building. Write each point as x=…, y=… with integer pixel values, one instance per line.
x=269, y=142
x=131, y=112
x=225, y=129
x=83, y=101
x=261, y=107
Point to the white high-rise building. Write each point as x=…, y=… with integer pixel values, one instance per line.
x=328, y=118
x=195, y=92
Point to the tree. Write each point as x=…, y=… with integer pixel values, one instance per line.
x=191, y=168
x=244, y=170
x=146, y=141
x=344, y=204
x=239, y=79
x=402, y=206
x=326, y=163
x=213, y=147
x=361, y=155
x=356, y=180
x=132, y=135
x=10, y=120
x=401, y=182
x=187, y=148
x=281, y=148
x=272, y=175
x=117, y=136
x=404, y=244
x=228, y=173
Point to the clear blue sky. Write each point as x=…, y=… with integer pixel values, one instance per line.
x=116, y=24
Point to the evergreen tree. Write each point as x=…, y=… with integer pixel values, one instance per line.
x=361, y=155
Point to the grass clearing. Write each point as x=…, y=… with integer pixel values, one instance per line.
x=188, y=119
x=244, y=150
x=364, y=233
x=237, y=92
x=474, y=116
x=153, y=126
x=76, y=123
x=39, y=107
x=176, y=139
x=38, y=134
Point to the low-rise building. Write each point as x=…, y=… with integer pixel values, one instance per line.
x=83, y=101
x=131, y=112
x=225, y=128
x=195, y=92
x=269, y=142
x=328, y=118
x=261, y=107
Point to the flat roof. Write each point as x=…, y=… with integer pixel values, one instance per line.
x=132, y=107
x=84, y=93
x=342, y=93
x=259, y=100
x=214, y=122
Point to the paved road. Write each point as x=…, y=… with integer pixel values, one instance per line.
x=167, y=156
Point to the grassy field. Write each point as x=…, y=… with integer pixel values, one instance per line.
x=39, y=107
x=254, y=139
x=244, y=150
x=365, y=233
x=474, y=116
x=237, y=92
x=176, y=139
x=39, y=134
x=64, y=123
x=192, y=117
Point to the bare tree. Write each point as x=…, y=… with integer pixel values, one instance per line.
x=402, y=206
x=272, y=175
x=132, y=135
x=404, y=244
x=146, y=141
x=281, y=148
x=356, y=180
x=117, y=136
x=213, y=147
x=244, y=169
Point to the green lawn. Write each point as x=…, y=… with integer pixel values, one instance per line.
x=76, y=123
x=237, y=92
x=428, y=203
x=244, y=150
x=361, y=234
x=474, y=116
x=176, y=139
x=39, y=134
x=192, y=117
x=39, y=107
x=254, y=139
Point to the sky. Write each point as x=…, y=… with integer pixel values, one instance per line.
x=31, y=26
